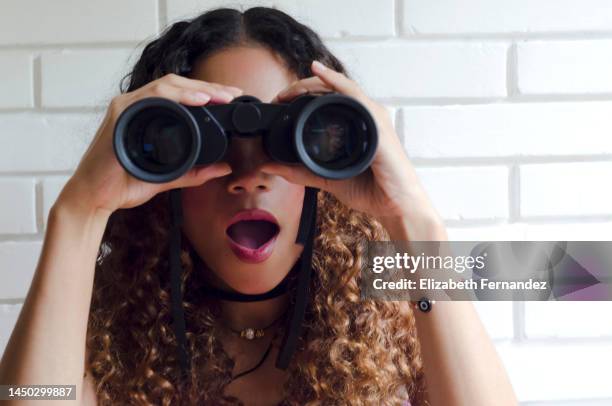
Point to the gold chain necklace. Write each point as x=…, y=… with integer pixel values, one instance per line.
x=252, y=333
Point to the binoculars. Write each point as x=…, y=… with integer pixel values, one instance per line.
x=157, y=140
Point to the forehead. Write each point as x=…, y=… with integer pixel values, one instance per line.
x=254, y=69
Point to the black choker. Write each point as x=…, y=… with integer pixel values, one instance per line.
x=278, y=290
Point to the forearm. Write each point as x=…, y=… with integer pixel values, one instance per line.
x=460, y=362
x=48, y=342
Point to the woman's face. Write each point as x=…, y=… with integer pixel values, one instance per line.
x=251, y=256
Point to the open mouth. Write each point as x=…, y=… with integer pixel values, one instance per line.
x=252, y=234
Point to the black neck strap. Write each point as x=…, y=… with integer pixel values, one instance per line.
x=306, y=234
x=176, y=271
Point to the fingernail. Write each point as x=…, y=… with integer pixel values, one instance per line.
x=201, y=97
x=227, y=95
x=318, y=66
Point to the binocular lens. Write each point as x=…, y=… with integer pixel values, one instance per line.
x=158, y=140
x=335, y=137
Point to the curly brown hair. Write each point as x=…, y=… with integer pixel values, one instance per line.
x=352, y=351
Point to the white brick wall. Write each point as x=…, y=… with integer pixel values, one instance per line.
x=565, y=67
x=17, y=206
x=81, y=78
x=16, y=74
x=571, y=189
x=468, y=192
x=43, y=142
x=17, y=264
x=421, y=70
x=508, y=129
x=357, y=19
x=8, y=317
x=68, y=21
x=505, y=108
x=495, y=17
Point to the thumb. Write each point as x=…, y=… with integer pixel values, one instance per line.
x=298, y=175
x=335, y=80
x=200, y=175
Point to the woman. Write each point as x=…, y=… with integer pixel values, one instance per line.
x=352, y=351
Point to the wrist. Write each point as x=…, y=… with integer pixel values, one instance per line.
x=71, y=206
x=75, y=200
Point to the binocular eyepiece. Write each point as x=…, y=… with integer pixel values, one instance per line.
x=158, y=140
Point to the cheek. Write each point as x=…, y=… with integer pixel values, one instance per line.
x=293, y=197
x=198, y=203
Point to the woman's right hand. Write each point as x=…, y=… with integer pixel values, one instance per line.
x=100, y=184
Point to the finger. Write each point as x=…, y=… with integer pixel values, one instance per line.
x=335, y=80
x=185, y=95
x=199, y=175
x=298, y=175
x=201, y=85
x=235, y=91
x=174, y=93
x=308, y=85
x=285, y=97
x=312, y=84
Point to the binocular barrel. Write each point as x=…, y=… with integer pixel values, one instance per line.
x=158, y=140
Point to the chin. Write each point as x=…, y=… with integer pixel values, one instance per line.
x=255, y=278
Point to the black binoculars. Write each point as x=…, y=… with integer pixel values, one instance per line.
x=158, y=140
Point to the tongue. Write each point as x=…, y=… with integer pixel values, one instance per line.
x=252, y=233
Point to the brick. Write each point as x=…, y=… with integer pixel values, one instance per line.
x=565, y=189
x=421, y=70
x=16, y=80
x=467, y=192
x=566, y=319
x=83, y=78
x=539, y=371
x=501, y=232
x=18, y=261
x=188, y=9
x=579, y=402
x=358, y=17
x=8, y=318
x=44, y=142
x=569, y=232
x=507, y=129
x=51, y=189
x=423, y=17
x=68, y=21
x=564, y=67
x=18, y=206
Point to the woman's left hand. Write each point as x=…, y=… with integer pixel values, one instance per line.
x=391, y=190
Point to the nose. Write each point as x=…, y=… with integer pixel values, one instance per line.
x=246, y=156
x=248, y=182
